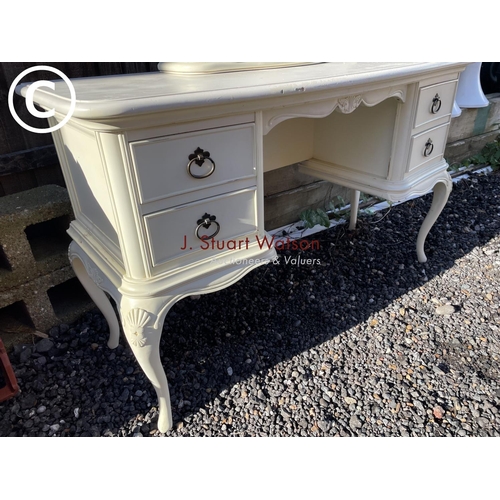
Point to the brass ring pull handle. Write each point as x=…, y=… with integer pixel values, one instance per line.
x=429, y=147
x=436, y=104
x=199, y=157
x=206, y=221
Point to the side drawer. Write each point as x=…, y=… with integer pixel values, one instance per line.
x=172, y=233
x=428, y=146
x=434, y=102
x=161, y=164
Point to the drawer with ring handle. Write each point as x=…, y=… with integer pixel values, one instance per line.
x=206, y=222
x=434, y=102
x=178, y=164
x=200, y=158
x=183, y=230
x=427, y=146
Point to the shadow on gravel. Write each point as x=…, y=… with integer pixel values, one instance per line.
x=279, y=311
x=274, y=313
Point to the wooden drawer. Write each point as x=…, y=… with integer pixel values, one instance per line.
x=429, y=110
x=428, y=146
x=172, y=233
x=161, y=164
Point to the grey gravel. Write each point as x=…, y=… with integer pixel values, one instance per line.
x=445, y=310
x=44, y=345
x=368, y=343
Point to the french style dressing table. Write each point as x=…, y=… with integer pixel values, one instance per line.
x=158, y=165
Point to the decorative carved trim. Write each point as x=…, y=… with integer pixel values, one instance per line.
x=319, y=109
x=94, y=275
x=92, y=270
x=323, y=108
x=349, y=104
x=71, y=254
x=377, y=96
x=137, y=320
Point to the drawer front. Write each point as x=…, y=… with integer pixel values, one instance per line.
x=434, y=102
x=428, y=146
x=172, y=233
x=161, y=165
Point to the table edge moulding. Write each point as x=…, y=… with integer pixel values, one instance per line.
x=164, y=169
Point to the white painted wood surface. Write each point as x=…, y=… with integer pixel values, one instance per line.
x=372, y=127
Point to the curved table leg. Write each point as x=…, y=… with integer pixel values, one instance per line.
x=442, y=190
x=354, y=209
x=143, y=331
x=101, y=301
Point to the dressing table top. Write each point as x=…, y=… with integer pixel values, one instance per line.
x=101, y=98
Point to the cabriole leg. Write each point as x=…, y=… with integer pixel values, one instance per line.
x=143, y=331
x=442, y=190
x=101, y=301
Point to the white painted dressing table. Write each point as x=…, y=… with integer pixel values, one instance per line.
x=157, y=164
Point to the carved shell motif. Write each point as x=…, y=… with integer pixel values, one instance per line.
x=137, y=320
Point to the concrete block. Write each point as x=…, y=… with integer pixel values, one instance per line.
x=38, y=288
x=33, y=238
x=36, y=295
x=40, y=304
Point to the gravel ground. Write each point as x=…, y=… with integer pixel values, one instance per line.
x=367, y=343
